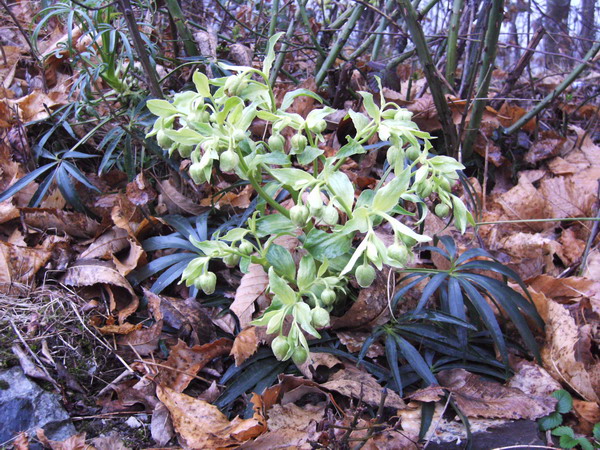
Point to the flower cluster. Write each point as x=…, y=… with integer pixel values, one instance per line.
x=212, y=124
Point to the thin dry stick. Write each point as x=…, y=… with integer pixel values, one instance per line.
x=37, y=360
x=104, y=344
x=592, y=236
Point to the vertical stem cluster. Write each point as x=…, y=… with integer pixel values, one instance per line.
x=435, y=85
x=485, y=75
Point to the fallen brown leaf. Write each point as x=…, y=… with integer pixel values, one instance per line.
x=370, y=309
x=93, y=271
x=72, y=223
x=351, y=382
x=178, y=202
x=253, y=284
x=75, y=442
x=477, y=397
x=186, y=362
x=244, y=345
x=201, y=425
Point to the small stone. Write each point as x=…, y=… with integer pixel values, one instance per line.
x=132, y=422
x=24, y=406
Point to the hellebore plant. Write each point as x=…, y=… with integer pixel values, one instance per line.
x=211, y=125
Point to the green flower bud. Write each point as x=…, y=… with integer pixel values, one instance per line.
x=231, y=85
x=444, y=184
x=197, y=173
x=163, y=140
x=315, y=202
x=192, y=271
x=330, y=215
x=276, y=143
x=299, y=142
x=299, y=215
x=365, y=275
x=413, y=153
x=207, y=282
x=239, y=135
x=424, y=189
x=328, y=296
x=228, y=160
x=197, y=116
x=398, y=252
x=185, y=150
x=319, y=127
x=319, y=317
x=372, y=253
x=403, y=114
x=393, y=154
x=231, y=260
x=442, y=210
x=410, y=242
x=299, y=356
x=246, y=247
x=242, y=84
x=280, y=347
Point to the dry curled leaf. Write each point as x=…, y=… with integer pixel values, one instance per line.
x=72, y=223
x=253, y=284
x=92, y=271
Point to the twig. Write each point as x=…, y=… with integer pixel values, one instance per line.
x=378, y=419
x=485, y=75
x=127, y=11
x=355, y=418
x=560, y=219
x=555, y=93
x=517, y=70
x=339, y=44
x=592, y=236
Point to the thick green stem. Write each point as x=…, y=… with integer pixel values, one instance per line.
x=453, y=40
x=184, y=32
x=282, y=52
x=556, y=92
x=339, y=44
x=485, y=76
x=313, y=38
x=435, y=85
x=274, y=11
x=428, y=7
x=381, y=28
x=258, y=188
